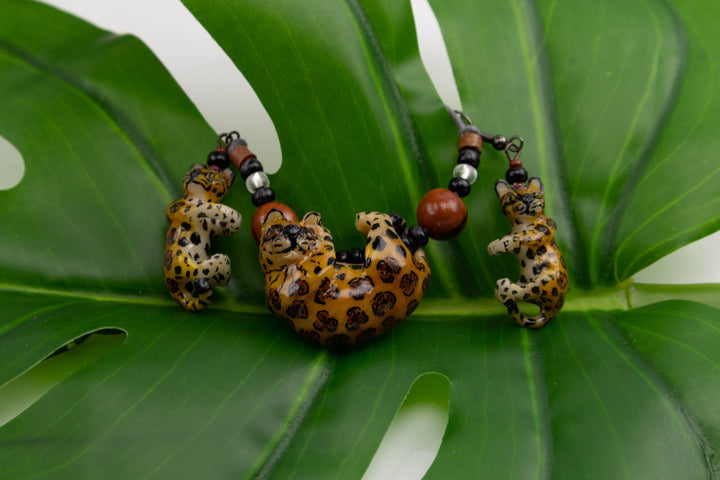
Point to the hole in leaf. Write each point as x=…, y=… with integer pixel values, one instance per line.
x=694, y=263
x=413, y=439
x=21, y=392
x=433, y=53
x=12, y=166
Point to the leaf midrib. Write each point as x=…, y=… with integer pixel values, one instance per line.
x=625, y=296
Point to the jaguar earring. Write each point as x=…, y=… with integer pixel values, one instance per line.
x=190, y=272
x=544, y=278
x=337, y=297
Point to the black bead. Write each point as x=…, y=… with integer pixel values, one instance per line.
x=419, y=236
x=499, y=142
x=249, y=167
x=218, y=159
x=460, y=186
x=398, y=222
x=341, y=256
x=516, y=175
x=408, y=241
x=356, y=256
x=262, y=196
x=470, y=156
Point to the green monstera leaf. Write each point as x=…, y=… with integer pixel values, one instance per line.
x=617, y=104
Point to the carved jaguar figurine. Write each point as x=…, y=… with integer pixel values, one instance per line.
x=190, y=271
x=336, y=303
x=544, y=279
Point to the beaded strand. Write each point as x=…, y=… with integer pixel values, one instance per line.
x=441, y=213
x=234, y=150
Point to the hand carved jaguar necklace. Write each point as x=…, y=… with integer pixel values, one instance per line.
x=335, y=297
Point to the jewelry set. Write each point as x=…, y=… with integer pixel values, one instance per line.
x=338, y=297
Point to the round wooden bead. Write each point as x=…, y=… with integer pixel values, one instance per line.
x=262, y=212
x=442, y=213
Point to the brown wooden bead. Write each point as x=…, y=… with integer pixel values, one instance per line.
x=239, y=155
x=442, y=213
x=470, y=139
x=262, y=212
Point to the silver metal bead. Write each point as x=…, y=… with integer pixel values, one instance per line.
x=468, y=172
x=257, y=180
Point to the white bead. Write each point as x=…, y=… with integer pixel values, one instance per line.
x=257, y=180
x=468, y=172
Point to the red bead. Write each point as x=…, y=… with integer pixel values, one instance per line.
x=442, y=213
x=515, y=163
x=261, y=213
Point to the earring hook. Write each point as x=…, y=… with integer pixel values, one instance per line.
x=464, y=124
x=514, y=147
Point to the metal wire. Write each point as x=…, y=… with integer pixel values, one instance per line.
x=514, y=147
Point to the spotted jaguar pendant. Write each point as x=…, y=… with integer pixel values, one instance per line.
x=190, y=271
x=333, y=302
x=544, y=278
